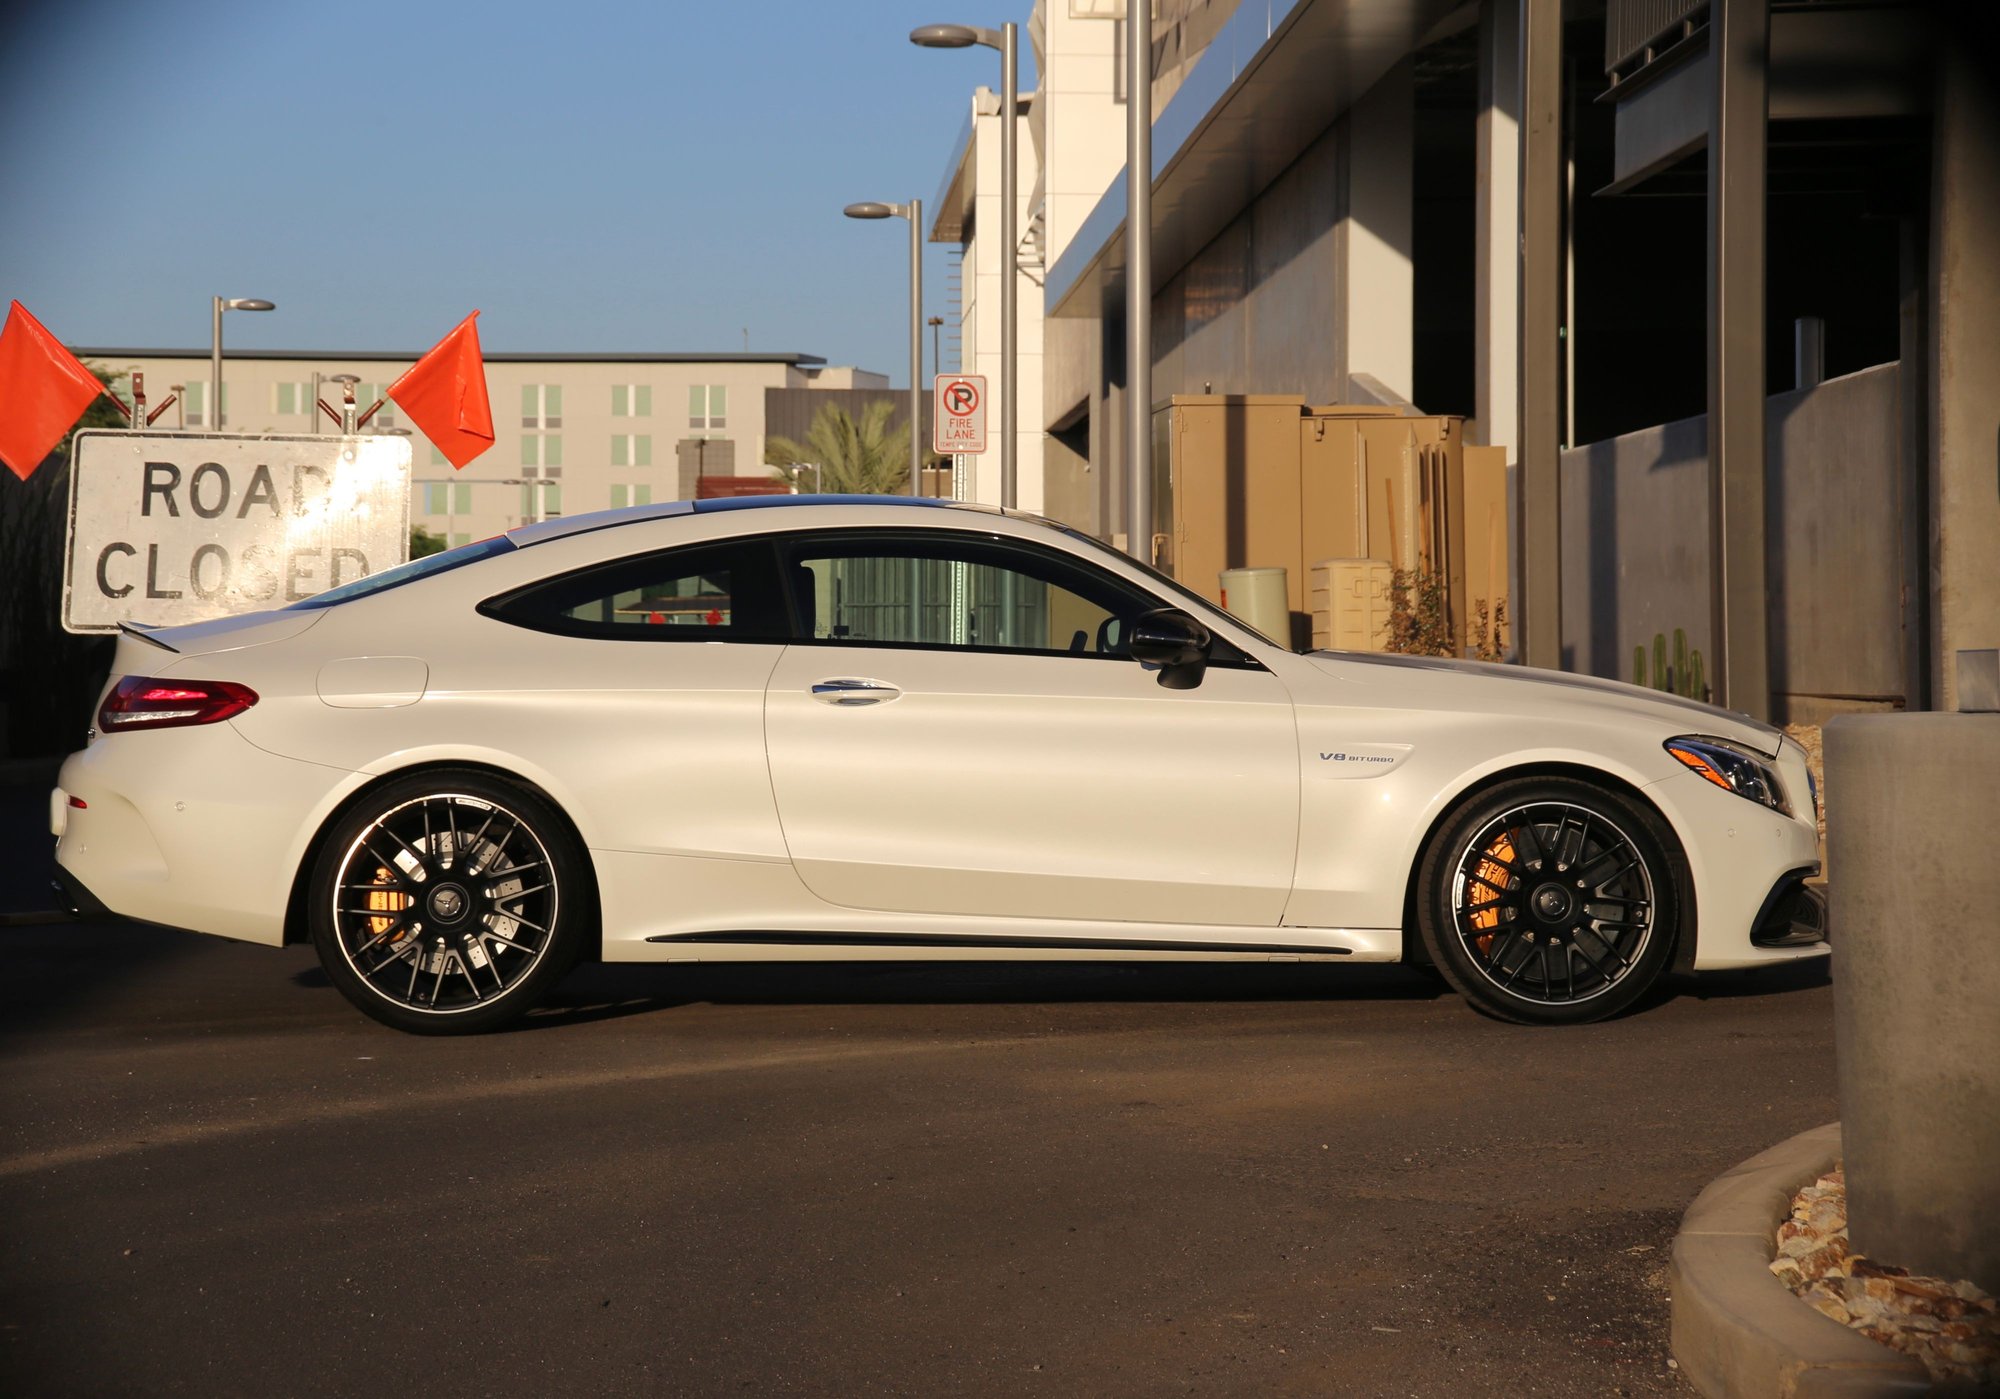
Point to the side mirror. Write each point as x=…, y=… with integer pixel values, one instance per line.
x=1175, y=642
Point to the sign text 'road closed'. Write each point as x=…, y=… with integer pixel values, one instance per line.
x=167, y=528
x=958, y=414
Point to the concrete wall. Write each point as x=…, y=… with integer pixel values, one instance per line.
x=1636, y=560
x=1916, y=981
x=1255, y=311
x=1965, y=360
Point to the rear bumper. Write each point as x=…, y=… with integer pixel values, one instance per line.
x=76, y=900
x=191, y=828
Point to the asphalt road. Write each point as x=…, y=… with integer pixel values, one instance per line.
x=217, y=1179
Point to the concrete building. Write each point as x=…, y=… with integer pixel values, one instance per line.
x=1070, y=144
x=572, y=432
x=1726, y=297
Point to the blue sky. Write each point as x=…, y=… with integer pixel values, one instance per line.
x=590, y=176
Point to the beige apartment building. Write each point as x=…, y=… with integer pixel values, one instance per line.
x=571, y=432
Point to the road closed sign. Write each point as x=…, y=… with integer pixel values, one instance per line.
x=958, y=417
x=175, y=527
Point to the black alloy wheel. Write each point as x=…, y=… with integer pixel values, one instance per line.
x=1551, y=900
x=449, y=902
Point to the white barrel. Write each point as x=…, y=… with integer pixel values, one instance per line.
x=1257, y=595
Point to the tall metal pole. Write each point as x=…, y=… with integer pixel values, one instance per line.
x=1738, y=640
x=1139, y=279
x=916, y=347
x=1538, y=477
x=214, y=420
x=1010, y=329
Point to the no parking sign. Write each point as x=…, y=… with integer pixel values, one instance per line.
x=958, y=417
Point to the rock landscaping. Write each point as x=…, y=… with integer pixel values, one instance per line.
x=1953, y=1328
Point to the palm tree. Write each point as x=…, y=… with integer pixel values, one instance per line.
x=846, y=457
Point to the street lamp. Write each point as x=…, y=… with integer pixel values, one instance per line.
x=227, y=303
x=914, y=212
x=961, y=36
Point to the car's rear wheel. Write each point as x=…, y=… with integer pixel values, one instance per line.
x=449, y=902
x=1551, y=900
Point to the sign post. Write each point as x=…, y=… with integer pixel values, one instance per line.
x=170, y=528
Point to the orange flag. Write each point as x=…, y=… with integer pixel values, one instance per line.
x=445, y=395
x=43, y=391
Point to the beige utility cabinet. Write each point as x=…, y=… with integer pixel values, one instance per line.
x=1268, y=480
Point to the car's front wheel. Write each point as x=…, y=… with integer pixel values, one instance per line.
x=449, y=902
x=1551, y=900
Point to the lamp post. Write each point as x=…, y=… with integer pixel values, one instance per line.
x=914, y=212
x=227, y=303
x=1139, y=280
x=961, y=36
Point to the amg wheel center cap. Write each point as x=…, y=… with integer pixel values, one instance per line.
x=448, y=903
x=1553, y=903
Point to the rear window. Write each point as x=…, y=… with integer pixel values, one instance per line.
x=407, y=573
x=727, y=591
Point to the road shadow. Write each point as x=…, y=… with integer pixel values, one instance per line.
x=604, y=991
x=1784, y=978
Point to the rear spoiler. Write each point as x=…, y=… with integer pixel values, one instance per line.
x=142, y=632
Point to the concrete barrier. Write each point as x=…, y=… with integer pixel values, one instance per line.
x=1913, y=835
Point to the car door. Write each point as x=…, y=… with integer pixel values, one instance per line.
x=960, y=734
x=640, y=681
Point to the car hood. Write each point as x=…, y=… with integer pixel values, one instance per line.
x=1516, y=683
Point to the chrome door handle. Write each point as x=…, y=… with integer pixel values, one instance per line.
x=846, y=692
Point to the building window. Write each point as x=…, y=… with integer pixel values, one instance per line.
x=195, y=398
x=708, y=407
x=631, y=400
x=447, y=498
x=541, y=405
x=622, y=496
x=540, y=500
x=291, y=398
x=438, y=458
x=631, y=449
x=543, y=450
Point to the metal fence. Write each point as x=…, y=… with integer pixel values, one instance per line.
x=1631, y=26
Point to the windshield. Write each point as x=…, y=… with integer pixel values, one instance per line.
x=1194, y=600
x=407, y=573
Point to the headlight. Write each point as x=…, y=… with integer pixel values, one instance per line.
x=1732, y=768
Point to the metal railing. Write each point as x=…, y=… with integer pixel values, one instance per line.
x=1632, y=26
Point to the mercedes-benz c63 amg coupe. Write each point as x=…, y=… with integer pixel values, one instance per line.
x=822, y=727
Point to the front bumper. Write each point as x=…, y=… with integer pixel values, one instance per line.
x=1794, y=915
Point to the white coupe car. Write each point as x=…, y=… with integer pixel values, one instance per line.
x=816, y=727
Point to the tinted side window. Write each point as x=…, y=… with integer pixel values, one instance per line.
x=912, y=588
x=709, y=592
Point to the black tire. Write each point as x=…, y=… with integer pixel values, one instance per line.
x=1551, y=901
x=477, y=888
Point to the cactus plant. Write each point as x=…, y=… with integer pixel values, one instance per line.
x=1684, y=677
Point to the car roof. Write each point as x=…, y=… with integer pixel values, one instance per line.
x=562, y=528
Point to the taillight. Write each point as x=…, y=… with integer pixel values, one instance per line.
x=140, y=702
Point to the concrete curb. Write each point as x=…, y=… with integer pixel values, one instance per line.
x=1738, y=1332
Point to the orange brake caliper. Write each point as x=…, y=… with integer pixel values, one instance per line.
x=386, y=901
x=1488, y=919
